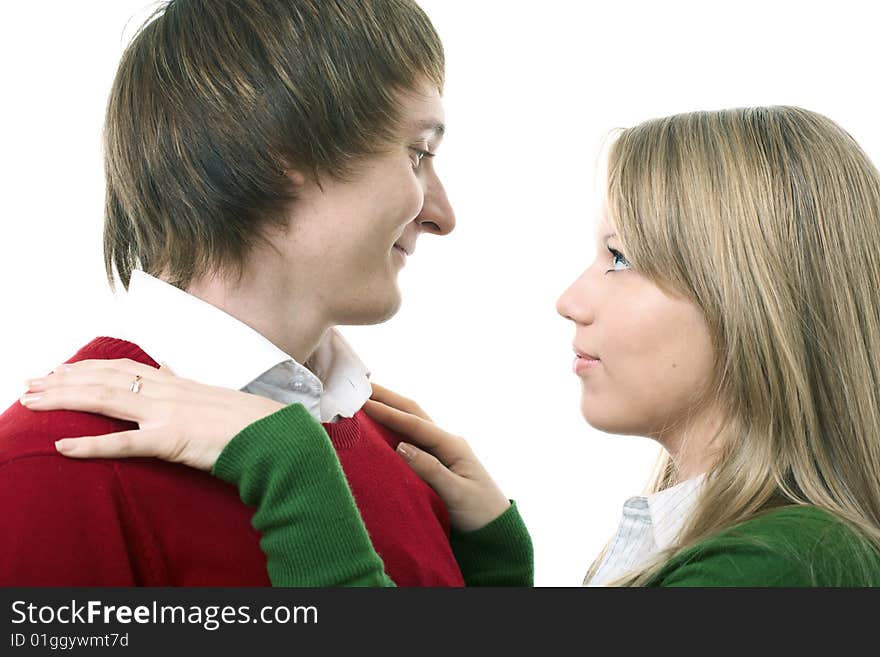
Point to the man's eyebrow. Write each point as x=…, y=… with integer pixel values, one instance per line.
x=436, y=127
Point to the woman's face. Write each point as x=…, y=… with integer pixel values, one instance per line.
x=642, y=356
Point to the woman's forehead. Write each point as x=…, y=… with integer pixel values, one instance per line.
x=604, y=226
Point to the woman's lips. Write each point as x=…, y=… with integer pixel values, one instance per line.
x=584, y=363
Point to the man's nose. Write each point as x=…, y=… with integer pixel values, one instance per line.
x=437, y=215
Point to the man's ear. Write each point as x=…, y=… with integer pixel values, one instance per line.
x=297, y=177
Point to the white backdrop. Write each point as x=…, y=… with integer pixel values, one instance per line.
x=533, y=88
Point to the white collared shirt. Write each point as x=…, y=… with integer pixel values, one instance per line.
x=649, y=525
x=201, y=342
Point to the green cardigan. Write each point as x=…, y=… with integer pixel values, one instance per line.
x=313, y=535
x=789, y=546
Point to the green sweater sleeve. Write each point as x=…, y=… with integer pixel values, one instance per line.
x=313, y=535
x=499, y=554
x=312, y=532
x=790, y=547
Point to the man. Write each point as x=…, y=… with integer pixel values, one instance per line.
x=269, y=170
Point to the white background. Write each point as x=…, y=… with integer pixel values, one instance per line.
x=533, y=88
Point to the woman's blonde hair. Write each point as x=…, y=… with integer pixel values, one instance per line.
x=768, y=219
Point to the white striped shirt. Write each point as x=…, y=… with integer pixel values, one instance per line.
x=201, y=342
x=649, y=525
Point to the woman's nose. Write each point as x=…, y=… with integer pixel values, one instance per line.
x=574, y=304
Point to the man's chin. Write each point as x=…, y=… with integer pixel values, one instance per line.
x=376, y=311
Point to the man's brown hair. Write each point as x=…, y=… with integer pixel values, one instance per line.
x=214, y=100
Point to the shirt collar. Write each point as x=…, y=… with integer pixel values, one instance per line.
x=201, y=342
x=649, y=525
x=671, y=507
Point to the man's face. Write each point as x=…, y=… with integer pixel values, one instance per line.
x=349, y=239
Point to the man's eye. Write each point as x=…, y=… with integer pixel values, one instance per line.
x=617, y=259
x=418, y=155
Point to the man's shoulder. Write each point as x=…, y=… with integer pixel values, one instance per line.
x=108, y=348
x=27, y=434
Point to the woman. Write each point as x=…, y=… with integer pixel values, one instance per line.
x=730, y=314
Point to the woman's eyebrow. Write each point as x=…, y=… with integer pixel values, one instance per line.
x=607, y=237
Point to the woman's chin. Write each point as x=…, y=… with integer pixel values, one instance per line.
x=590, y=414
x=597, y=415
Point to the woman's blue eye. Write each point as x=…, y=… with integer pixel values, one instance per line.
x=617, y=259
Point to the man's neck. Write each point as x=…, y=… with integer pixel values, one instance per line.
x=290, y=323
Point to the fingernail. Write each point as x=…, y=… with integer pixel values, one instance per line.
x=36, y=385
x=60, y=368
x=61, y=445
x=406, y=450
x=29, y=399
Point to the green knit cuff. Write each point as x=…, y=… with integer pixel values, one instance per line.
x=313, y=534
x=274, y=434
x=254, y=450
x=499, y=554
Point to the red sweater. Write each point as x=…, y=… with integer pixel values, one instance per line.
x=144, y=522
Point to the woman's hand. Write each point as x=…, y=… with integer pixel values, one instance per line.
x=446, y=462
x=191, y=423
x=180, y=420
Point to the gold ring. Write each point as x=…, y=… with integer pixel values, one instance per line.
x=135, y=386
